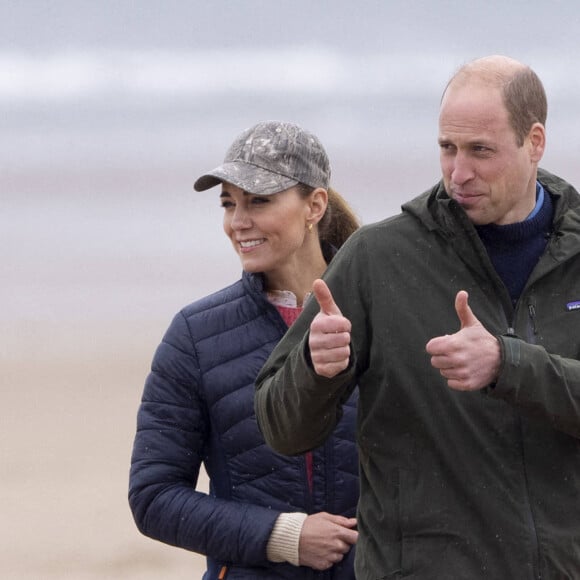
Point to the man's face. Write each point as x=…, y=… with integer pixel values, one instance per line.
x=484, y=170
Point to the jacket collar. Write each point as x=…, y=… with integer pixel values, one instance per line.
x=443, y=216
x=436, y=210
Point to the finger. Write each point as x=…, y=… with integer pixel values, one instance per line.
x=438, y=346
x=345, y=532
x=343, y=521
x=329, y=370
x=349, y=537
x=458, y=384
x=341, y=548
x=324, y=298
x=464, y=312
x=441, y=362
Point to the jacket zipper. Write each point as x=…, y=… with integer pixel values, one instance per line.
x=532, y=313
x=529, y=512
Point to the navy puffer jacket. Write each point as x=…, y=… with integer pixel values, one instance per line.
x=198, y=406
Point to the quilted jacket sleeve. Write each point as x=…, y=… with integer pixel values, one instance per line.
x=172, y=433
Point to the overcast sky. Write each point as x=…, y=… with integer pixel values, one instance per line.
x=373, y=25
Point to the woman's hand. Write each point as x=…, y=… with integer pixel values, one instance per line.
x=325, y=539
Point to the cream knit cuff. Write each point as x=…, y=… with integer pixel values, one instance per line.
x=285, y=538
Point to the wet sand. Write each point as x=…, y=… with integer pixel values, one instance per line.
x=94, y=267
x=95, y=262
x=66, y=432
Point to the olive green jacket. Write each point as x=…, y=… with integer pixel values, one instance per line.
x=454, y=485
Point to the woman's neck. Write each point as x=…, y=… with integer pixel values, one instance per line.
x=297, y=278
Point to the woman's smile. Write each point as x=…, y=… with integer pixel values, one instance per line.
x=248, y=245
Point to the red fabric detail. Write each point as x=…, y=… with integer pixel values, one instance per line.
x=289, y=313
x=309, y=469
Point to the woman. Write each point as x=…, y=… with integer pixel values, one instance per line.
x=267, y=515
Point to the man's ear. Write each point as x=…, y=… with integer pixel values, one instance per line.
x=537, y=142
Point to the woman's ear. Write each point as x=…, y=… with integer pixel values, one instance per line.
x=318, y=202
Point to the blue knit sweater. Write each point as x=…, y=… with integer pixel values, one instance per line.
x=514, y=249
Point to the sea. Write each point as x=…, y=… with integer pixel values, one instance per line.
x=109, y=112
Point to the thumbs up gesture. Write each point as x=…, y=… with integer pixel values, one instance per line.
x=470, y=358
x=329, y=340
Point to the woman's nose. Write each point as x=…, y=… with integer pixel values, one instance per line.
x=241, y=219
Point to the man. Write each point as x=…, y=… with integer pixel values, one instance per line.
x=459, y=321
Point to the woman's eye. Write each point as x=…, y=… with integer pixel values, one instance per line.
x=227, y=204
x=260, y=200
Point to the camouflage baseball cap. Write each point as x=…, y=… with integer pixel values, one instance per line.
x=270, y=157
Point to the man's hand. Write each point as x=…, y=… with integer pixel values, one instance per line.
x=325, y=539
x=329, y=335
x=470, y=358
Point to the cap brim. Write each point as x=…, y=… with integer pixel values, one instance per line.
x=246, y=176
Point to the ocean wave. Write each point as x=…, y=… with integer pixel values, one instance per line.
x=84, y=75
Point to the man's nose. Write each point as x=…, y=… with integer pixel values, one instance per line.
x=462, y=170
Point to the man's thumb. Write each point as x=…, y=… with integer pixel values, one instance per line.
x=324, y=297
x=464, y=312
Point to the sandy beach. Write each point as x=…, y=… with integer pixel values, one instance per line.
x=85, y=304
x=66, y=434
x=95, y=264
x=91, y=279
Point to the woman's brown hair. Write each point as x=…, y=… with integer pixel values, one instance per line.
x=339, y=220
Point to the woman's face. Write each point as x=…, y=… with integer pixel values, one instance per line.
x=266, y=231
